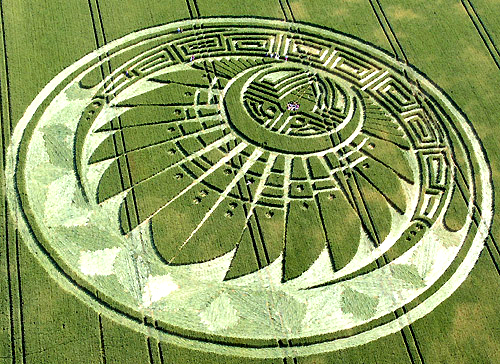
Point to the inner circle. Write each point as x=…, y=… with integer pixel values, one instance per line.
x=189, y=305
x=290, y=109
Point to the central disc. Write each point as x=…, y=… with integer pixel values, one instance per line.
x=213, y=197
x=291, y=109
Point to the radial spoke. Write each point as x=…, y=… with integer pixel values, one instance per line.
x=188, y=158
x=260, y=187
x=173, y=122
x=356, y=148
x=179, y=138
x=244, y=169
x=239, y=148
x=286, y=181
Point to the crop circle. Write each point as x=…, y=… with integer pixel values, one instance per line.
x=218, y=183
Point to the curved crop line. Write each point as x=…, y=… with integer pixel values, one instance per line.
x=428, y=305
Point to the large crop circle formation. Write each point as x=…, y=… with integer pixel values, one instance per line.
x=250, y=187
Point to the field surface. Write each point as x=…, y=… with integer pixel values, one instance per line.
x=243, y=182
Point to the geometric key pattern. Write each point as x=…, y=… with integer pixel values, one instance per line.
x=219, y=182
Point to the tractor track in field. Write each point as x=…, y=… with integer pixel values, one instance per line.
x=407, y=333
x=492, y=246
x=17, y=332
x=482, y=31
x=397, y=48
x=119, y=148
x=287, y=349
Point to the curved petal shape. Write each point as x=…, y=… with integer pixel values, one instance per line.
x=305, y=238
x=342, y=227
x=205, y=191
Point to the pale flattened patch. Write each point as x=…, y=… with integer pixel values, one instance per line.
x=156, y=288
x=318, y=312
x=99, y=262
x=220, y=314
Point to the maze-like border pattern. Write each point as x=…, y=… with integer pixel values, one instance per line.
x=423, y=134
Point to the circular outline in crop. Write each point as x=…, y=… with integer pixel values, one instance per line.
x=90, y=297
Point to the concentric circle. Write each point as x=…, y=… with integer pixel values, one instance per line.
x=250, y=187
x=295, y=110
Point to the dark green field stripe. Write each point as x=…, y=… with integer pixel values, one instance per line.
x=94, y=17
x=16, y=330
x=101, y=340
x=190, y=9
x=158, y=347
x=407, y=333
x=351, y=190
x=287, y=11
x=325, y=231
x=154, y=349
x=388, y=30
x=410, y=340
x=490, y=243
x=197, y=10
x=482, y=31
x=5, y=133
x=492, y=252
x=122, y=168
x=192, y=6
x=20, y=297
x=495, y=250
x=118, y=138
x=150, y=350
x=382, y=21
x=492, y=248
x=262, y=261
x=126, y=170
x=290, y=9
x=405, y=336
x=391, y=31
x=99, y=40
x=160, y=351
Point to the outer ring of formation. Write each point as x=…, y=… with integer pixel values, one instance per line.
x=450, y=162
